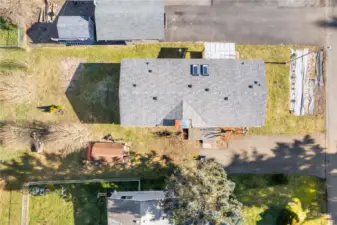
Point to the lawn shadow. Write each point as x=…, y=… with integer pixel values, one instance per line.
x=93, y=92
x=51, y=166
x=270, y=216
x=172, y=53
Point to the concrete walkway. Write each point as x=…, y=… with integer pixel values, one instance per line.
x=303, y=155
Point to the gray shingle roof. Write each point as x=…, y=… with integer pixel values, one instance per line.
x=242, y=82
x=129, y=19
x=75, y=27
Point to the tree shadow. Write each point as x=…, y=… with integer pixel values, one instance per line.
x=327, y=24
x=94, y=92
x=299, y=157
x=270, y=216
x=52, y=166
x=302, y=157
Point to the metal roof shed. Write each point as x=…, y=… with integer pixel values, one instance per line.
x=75, y=28
x=119, y=20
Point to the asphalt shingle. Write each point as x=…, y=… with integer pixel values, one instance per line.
x=129, y=20
x=75, y=28
x=234, y=94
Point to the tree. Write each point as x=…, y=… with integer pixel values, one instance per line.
x=293, y=213
x=199, y=193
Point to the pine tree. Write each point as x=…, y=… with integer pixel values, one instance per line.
x=199, y=193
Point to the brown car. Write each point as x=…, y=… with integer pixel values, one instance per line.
x=109, y=152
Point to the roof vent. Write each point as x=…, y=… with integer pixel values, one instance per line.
x=150, y=71
x=250, y=86
x=190, y=85
x=255, y=82
x=147, y=63
x=225, y=98
x=135, y=85
x=154, y=98
x=194, y=70
x=204, y=70
x=206, y=89
x=126, y=197
x=242, y=63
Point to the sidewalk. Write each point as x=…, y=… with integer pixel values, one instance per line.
x=331, y=117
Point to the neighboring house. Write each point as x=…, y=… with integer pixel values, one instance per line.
x=118, y=20
x=114, y=20
x=136, y=207
x=75, y=28
x=208, y=92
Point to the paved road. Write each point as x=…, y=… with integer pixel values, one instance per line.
x=246, y=24
x=331, y=120
x=273, y=154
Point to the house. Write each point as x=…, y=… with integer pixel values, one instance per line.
x=207, y=92
x=136, y=207
x=113, y=20
x=118, y=20
x=76, y=28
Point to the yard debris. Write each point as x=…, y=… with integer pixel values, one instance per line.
x=307, y=78
x=16, y=88
x=67, y=136
x=39, y=136
x=20, y=135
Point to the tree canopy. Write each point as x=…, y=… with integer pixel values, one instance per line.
x=199, y=193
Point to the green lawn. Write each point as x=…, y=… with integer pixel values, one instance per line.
x=8, y=34
x=278, y=119
x=80, y=207
x=264, y=196
x=10, y=207
x=96, y=70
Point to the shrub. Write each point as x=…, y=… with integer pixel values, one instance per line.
x=293, y=213
x=279, y=179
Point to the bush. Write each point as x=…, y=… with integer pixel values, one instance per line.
x=279, y=179
x=293, y=213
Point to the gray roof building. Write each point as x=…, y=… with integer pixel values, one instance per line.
x=75, y=28
x=136, y=207
x=129, y=20
x=156, y=92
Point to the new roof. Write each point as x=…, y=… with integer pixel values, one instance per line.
x=142, y=207
x=129, y=19
x=156, y=91
x=75, y=27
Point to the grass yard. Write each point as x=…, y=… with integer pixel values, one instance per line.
x=8, y=34
x=278, y=119
x=84, y=80
x=80, y=207
x=264, y=196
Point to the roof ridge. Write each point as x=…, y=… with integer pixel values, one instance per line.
x=196, y=112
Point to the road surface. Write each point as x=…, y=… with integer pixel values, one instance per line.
x=246, y=24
